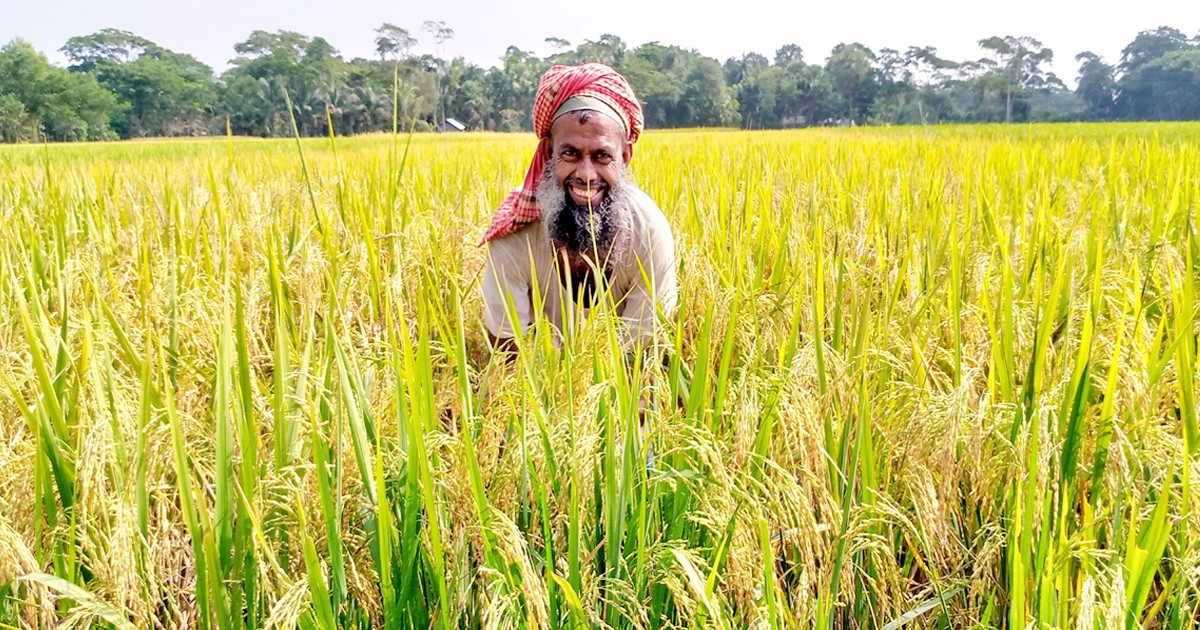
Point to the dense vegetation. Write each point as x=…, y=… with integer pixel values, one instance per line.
x=941, y=374
x=122, y=85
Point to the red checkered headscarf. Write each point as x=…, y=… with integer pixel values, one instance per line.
x=557, y=85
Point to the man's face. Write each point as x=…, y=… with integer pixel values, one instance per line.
x=582, y=196
x=589, y=152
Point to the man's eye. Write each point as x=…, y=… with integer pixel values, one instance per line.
x=603, y=158
x=570, y=153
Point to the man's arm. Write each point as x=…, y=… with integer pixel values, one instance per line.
x=654, y=288
x=505, y=345
x=506, y=299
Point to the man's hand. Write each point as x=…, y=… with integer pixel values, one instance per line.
x=506, y=346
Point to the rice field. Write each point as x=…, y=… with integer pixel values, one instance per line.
x=938, y=378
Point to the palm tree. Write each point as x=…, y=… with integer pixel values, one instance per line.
x=339, y=102
x=271, y=102
x=441, y=33
x=373, y=108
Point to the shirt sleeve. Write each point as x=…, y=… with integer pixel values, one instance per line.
x=653, y=288
x=506, y=286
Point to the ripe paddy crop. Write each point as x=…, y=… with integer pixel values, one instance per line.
x=943, y=377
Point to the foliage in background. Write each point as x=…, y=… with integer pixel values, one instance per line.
x=40, y=101
x=159, y=92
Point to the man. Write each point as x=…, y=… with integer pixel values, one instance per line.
x=577, y=233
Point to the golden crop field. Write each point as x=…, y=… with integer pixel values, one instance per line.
x=943, y=377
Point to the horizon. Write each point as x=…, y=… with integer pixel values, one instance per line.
x=1065, y=29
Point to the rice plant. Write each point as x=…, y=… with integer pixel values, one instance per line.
x=940, y=377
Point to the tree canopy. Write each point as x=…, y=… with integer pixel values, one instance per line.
x=119, y=84
x=40, y=101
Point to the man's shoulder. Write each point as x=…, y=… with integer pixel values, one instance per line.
x=642, y=200
x=524, y=239
x=647, y=212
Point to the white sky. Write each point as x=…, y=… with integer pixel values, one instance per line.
x=208, y=29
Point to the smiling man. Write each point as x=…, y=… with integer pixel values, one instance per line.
x=578, y=234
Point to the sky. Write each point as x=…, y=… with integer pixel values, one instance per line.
x=209, y=29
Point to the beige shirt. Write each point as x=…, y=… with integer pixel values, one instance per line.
x=524, y=261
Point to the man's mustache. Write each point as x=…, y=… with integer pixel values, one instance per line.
x=595, y=184
x=581, y=227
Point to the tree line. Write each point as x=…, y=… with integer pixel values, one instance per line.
x=120, y=85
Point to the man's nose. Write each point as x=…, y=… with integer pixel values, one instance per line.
x=586, y=171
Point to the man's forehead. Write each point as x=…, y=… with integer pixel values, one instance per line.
x=587, y=124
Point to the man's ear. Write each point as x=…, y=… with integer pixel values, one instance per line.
x=546, y=146
x=627, y=153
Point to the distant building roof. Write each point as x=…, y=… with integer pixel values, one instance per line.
x=453, y=125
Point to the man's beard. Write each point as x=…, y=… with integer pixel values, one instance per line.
x=598, y=231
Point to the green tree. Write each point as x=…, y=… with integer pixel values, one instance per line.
x=609, y=50
x=393, y=42
x=978, y=93
x=761, y=97
x=794, y=94
x=788, y=54
x=54, y=103
x=707, y=101
x=1021, y=62
x=466, y=97
x=16, y=124
x=292, y=57
x=738, y=69
x=164, y=93
x=651, y=71
x=1165, y=88
x=930, y=75
x=896, y=92
x=441, y=34
x=814, y=99
x=851, y=69
x=281, y=63
x=1096, y=87
x=558, y=43
x=108, y=45
x=679, y=87
x=1150, y=45
x=238, y=96
x=147, y=90
x=1158, y=76
x=756, y=85
x=512, y=88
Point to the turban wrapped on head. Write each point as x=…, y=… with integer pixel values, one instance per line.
x=594, y=81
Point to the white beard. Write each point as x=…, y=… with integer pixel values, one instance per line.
x=577, y=231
